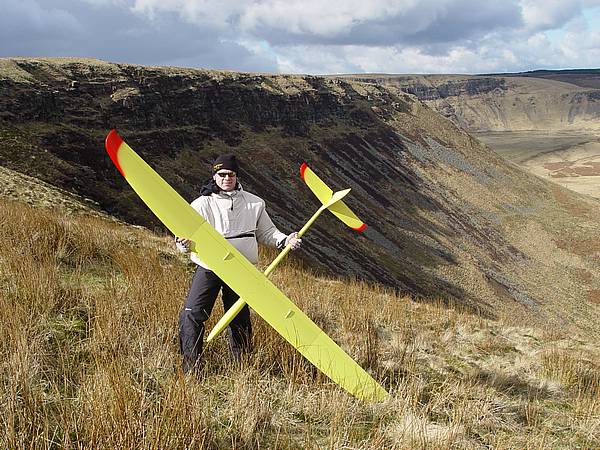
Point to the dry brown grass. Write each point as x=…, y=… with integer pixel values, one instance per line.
x=90, y=360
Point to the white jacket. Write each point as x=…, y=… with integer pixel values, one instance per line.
x=242, y=219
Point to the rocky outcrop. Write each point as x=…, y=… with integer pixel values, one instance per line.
x=452, y=88
x=502, y=103
x=447, y=218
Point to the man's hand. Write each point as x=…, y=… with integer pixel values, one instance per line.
x=293, y=241
x=183, y=245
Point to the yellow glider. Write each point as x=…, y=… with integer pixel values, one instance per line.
x=325, y=194
x=241, y=275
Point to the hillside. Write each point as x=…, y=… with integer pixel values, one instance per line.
x=585, y=78
x=32, y=191
x=89, y=359
x=547, y=122
x=448, y=218
x=500, y=102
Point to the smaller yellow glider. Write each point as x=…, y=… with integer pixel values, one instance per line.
x=325, y=194
x=330, y=200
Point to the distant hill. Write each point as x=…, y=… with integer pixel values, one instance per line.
x=586, y=78
x=546, y=121
x=478, y=103
x=448, y=219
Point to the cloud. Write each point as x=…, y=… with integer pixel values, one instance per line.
x=328, y=60
x=28, y=19
x=345, y=22
x=216, y=14
x=375, y=23
x=113, y=30
x=311, y=36
x=549, y=14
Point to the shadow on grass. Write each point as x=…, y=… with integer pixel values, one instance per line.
x=511, y=385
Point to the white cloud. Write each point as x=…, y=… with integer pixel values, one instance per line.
x=549, y=14
x=352, y=22
x=102, y=3
x=360, y=59
x=315, y=17
x=202, y=12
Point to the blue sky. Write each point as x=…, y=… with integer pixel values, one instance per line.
x=311, y=36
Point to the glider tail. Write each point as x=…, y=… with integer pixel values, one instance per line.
x=325, y=194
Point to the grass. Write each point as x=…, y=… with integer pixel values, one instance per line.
x=89, y=358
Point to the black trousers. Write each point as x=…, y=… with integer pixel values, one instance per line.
x=196, y=310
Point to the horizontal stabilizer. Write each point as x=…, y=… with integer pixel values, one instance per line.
x=325, y=194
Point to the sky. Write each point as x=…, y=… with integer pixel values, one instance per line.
x=311, y=36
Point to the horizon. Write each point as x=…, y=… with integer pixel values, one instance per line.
x=582, y=70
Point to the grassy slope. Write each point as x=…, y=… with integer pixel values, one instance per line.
x=447, y=217
x=89, y=358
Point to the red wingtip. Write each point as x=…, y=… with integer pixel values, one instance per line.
x=303, y=168
x=112, y=143
x=361, y=228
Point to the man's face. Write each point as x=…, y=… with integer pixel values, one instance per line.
x=225, y=179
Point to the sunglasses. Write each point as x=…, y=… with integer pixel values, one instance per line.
x=226, y=174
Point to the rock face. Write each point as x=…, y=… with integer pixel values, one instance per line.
x=448, y=219
x=507, y=103
x=430, y=91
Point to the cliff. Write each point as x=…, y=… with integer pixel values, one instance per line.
x=507, y=103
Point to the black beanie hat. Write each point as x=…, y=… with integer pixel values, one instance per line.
x=228, y=162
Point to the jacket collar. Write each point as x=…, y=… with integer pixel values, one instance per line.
x=210, y=187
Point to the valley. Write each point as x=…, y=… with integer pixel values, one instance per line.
x=546, y=122
x=568, y=158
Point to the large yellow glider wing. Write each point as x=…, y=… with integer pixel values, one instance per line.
x=241, y=275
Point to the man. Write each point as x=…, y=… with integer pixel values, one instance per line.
x=242, y=219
